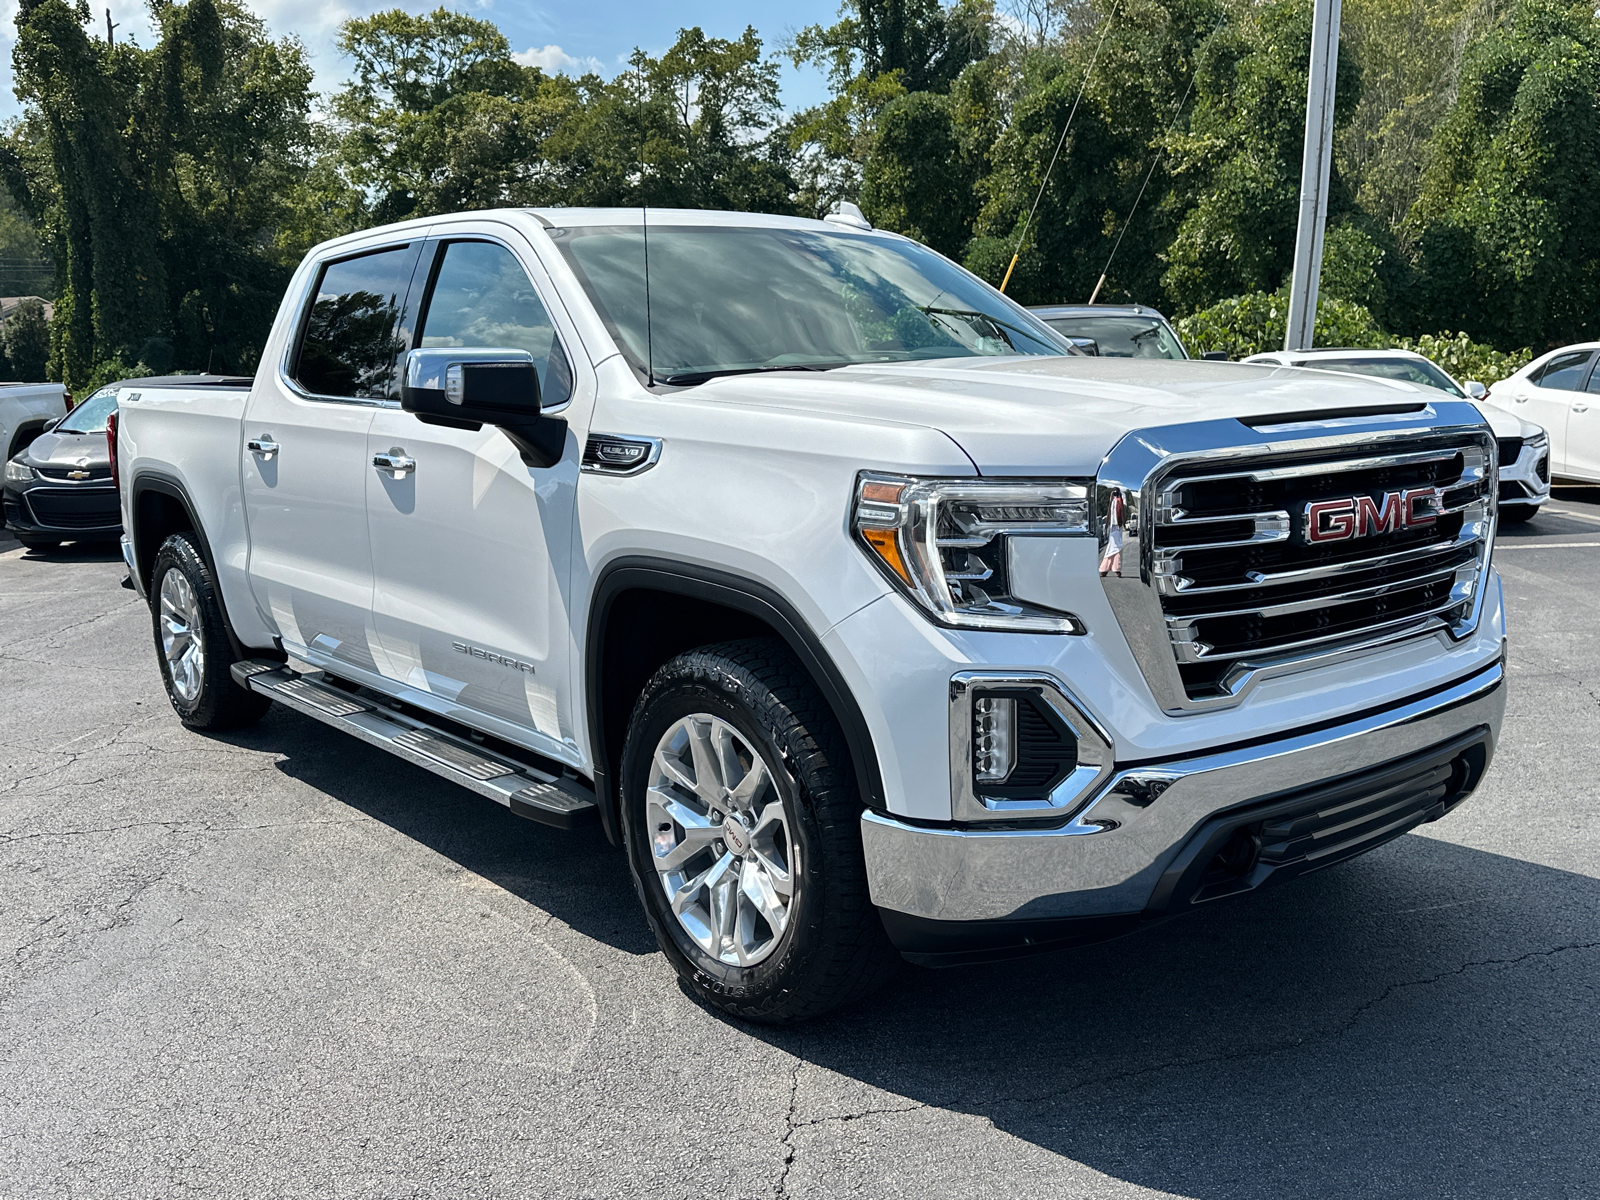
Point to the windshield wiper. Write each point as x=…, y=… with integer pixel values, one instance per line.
x=972, y=312
x=688, y=378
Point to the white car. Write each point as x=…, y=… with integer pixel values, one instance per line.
x=1561, y=391
x=849, y=600
x=1525, y=447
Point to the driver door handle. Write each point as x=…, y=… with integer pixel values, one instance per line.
x=263, y=445
x=395, y=462
x=1580, y=408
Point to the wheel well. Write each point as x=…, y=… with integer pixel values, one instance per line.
x=646, y=610
x=156, y=517
x=24, y=436
x=646, y=628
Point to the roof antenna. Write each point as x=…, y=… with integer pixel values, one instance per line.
x=1060, y=142
x=644, y=225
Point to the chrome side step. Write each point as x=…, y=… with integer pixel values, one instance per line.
x=528, y=791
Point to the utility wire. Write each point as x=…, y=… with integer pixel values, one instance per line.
x=1060, y=142
x=1171, y=125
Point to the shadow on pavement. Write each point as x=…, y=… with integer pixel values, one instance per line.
x=67, y=552
x=1418, y=1022
x=578, y=877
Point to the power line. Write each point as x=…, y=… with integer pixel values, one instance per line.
x=1060, y=142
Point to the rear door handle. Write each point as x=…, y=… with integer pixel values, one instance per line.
x=395, y=462
x=1580, y=408
x=263, y=445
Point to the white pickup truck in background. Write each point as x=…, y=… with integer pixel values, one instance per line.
x=25, y=409
x=860, y=610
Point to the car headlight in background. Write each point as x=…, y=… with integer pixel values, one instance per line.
x=943, y=543
x=17, y=472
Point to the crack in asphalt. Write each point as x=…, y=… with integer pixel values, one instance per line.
x=789, y=1131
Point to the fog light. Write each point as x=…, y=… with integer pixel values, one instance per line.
x=994, y=738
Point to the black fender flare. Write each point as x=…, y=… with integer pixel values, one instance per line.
x=636, y=572
x=150, y=480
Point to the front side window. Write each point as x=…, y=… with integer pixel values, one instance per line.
x=1407, y=370
x=350, y=346
x=91, y=415
x=1564, y=371
x=482, y=299
x=1122, y=337
x=732, y=299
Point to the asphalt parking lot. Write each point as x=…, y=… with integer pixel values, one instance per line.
x=281, y=963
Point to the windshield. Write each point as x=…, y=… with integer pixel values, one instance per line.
x=1408, y=370
x=725, y=300
x=1122, y=337
x=90, y=416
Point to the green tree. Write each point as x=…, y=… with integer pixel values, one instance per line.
x=165, y=179
x=1237, y=166
x=1507, y=225
x=25, y=338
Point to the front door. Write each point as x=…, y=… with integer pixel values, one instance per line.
x=305, y=456
x=470, y=546
x=1546, y=396
x=1583, y=430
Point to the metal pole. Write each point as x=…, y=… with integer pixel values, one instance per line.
x=1314, y=167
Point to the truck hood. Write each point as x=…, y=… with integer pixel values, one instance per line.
x=1055, y=416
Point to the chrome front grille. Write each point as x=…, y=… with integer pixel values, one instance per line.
x=1309, y=540
x=1241, y=581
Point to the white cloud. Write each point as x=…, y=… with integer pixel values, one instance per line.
x=556, y=61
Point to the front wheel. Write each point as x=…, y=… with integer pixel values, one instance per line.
x=192, y=643
x=741, y=816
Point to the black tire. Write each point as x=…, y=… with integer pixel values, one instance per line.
x=833, y=949
x=218, y=703
x=36, y=543
x=1516, y=514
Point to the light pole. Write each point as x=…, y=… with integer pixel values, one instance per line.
x=1314, y=168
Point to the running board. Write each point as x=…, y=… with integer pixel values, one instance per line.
x=539, y=795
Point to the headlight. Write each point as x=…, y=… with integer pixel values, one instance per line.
x=17, y=472
x=1539, y=440
x=943, y=543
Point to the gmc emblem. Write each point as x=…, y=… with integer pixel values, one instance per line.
x=1364, y=516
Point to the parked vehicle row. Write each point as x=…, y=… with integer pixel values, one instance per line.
x=858, y=607
x=1560, y=391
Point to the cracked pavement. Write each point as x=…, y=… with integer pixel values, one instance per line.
x=280, y=963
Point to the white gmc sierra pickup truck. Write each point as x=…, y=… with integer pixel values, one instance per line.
x=859, y=609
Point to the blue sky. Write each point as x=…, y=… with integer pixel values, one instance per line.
x=572, y=37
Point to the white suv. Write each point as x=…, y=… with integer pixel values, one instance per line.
x=1525, y=448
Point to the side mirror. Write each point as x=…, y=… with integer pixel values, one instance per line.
x=52, y=423
x=470, y=388
x=1215, y=356
x=1087, y=345
x=1476, y=390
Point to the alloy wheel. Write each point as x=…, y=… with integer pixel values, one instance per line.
x=720, y=840
x=182, y=640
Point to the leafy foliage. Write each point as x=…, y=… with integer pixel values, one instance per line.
x=1257, y=322
x=25, y=341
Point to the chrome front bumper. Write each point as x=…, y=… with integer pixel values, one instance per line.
x=1110, y=857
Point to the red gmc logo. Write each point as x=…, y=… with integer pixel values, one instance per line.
x=1364, y=516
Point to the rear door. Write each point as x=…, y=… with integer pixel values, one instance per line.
x=470, y=546
x=305, y=462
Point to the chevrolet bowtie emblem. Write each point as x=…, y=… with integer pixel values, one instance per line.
x=77, y=474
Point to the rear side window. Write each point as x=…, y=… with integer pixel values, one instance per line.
x=351, y=342
x=483, y=299
x=1564, y=371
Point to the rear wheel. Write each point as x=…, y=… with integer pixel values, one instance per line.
x=742, y=822
x=192, y=642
